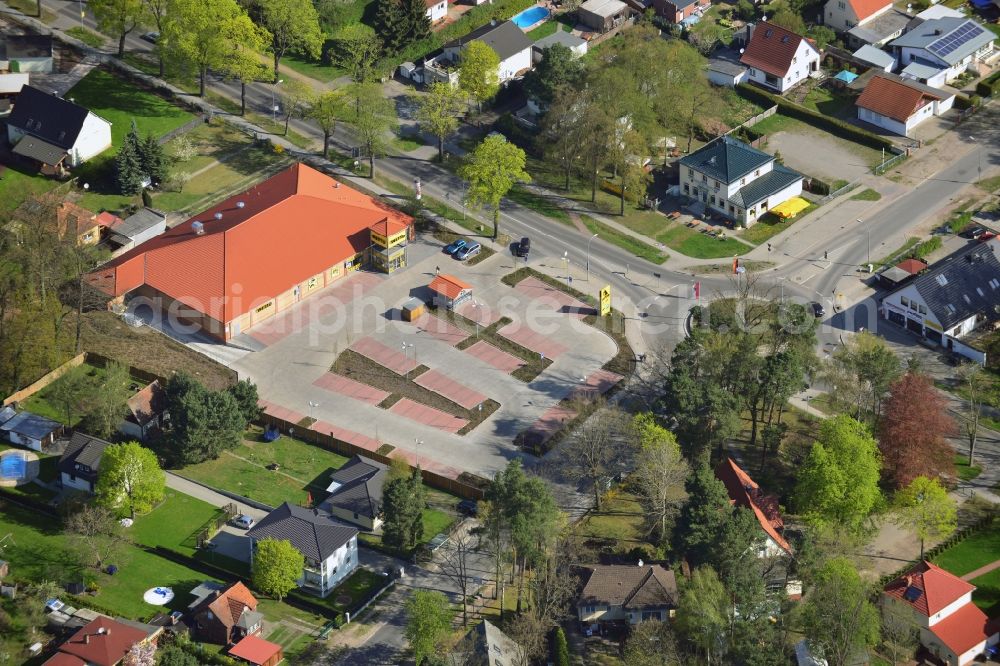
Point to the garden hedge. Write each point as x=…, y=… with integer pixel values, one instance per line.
x=832, y=125
x=989, y=86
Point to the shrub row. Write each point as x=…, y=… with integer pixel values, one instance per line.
x=953, y=540
x=921, y=250
x=834, y=126
x=989, y=86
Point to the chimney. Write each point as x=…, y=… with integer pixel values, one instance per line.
x=909, y=580
x=198, y=228
x=640, y=564
x=86, y=639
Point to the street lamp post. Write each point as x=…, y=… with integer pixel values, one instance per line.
x=566, y=264
x=868, y=231
x=274, y=104
x=312, y=406
x=588, y=255
x=979, y=150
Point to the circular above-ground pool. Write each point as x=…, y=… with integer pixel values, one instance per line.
x=530, y=16
x=17, y=467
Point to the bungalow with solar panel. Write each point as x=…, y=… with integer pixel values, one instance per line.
x=951, y=299
x=949, y=44
x=940, y=605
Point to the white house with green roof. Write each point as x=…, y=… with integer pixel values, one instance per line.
x=737, y=180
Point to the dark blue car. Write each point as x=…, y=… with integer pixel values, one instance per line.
x=455, y=246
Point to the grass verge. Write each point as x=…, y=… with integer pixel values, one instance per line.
x=625, y=241
x=88, y=37
x=967, y=472
x=770, y=225
x=867, y=194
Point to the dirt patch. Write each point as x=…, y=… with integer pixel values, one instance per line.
x=146, y=349
x=818, y=154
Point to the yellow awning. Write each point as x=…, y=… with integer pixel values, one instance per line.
x=790, y=208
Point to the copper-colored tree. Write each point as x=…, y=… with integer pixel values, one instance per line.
x=912, y=432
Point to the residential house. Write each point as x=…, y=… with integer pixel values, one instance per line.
x=79, y=222
x=926, y=74
x=80, y=463
x=7, y=413
x=255, y=651
x=330, y=547
x=842, y=15
x=723, y=72
x=31, y=431
x=139, y=227
x=258, y=253
x=53, y=132
x=449, y=291
x=629, y=594
x=509, y=42
x=951, y=298
x=940, y=605
x=744, y=492
x=876, y=58
x=603, y=15
x=224, y=615
x=26, y=53
x=146, y=411
x=880, y=30
x=486, y=645
x=576, y=45
x=777, y=58
x=101, y=642
x=898, y=105
x=951, y=44
x=735, y=180
x=935, y=12
x=437, y=10
x=71, y=220
x=676, y=11
x=356, y=493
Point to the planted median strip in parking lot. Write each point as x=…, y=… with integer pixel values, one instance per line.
x=363, y=369
x=534, y=364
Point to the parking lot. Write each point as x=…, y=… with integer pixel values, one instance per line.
x=291, y=360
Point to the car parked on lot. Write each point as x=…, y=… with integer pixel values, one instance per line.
x=468, y=507
x=455, y=246
x=151, y=37
x=468, y=252
x=242, y=521
x=974, y=232
x=817, y=308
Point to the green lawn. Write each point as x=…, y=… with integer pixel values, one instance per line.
x=698, y=245
x=620, y=522
x=987, y=594
x=304, y=469
x=17, y=186
x=88, y=37
x=311, y=68
x=967, y=472
x=538, y=203
x=770, y=225
x=625, y=241
x=867, y=194
x=550, y=27
x=175, y=523
x=829, y=103
x=976, y=551
x=41, y=402
x=435, y=520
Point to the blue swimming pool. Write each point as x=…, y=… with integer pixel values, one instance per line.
x=12, y=465
x=530, y=17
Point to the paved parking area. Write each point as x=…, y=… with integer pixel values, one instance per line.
x=548, y=424
x=384, y=356
x=475, y=311
x=346, y=386
x=533, y=340
x=439, y=329
x=549, y=296
x=598, y=383
x=498, y=358
x=279, y=412
x=445, y=386
x=435, y=418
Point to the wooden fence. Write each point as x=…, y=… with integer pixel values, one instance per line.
x=767, y=113
x=89, y=358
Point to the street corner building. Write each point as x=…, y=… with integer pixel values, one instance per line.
x=255, y=254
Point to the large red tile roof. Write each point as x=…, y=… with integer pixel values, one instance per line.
x=892, y=98
x=278, y=233
x=964, y=629
x=938, y=588
x=744, y=491
x=255, y=650
x=103, y=642
x=771, y=49
x=865, y=8
x=231, y=603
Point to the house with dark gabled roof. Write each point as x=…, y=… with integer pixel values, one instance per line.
x=627, y=594
x=744, y=492
x=80, y=464
x=951, y=298
x=777, y=58
x=356, y=492
x=939, y=604
x=508, y=41
x=329, y=546
x=738, y=181
x=55, y=133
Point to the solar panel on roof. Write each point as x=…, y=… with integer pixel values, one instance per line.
x=953, y=40
x=912, y=593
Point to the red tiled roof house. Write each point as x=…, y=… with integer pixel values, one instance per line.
x=899, y=105
x=102, y=642
x=255, y=254
x=744, y=491
x=448, y=291
x=951, y=627
x=676, y=11
x=145, y=411
x=842, y=15
x=777, y=58
x=227, y=615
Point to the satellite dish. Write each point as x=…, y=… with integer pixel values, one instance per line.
x=741, y=51
x=240, y=204
x=764, y=17
x=218, y=216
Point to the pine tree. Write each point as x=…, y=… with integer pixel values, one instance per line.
x=153, y=159
x=391, y=24
x=418, y=22
x=703, y=519
x=128, y=165
x=403, y=503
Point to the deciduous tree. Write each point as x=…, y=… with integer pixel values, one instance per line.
x=785, y=18
x=438, y=112
x=356, y=49
x=326, y=110
x=130, y=479
x=558, y=69
x=703, y=613
x=277, y=564
x=900, y=634
x=373, y=116
x=296, y=99
x=976, y=383
x=492, y=169
x=243, y=64
x=594, y=447
x=156, y=11
x=838, y=482
x=659, y=474
x=478, y=72
x=428, y=623
x=562, y=142
x=838, y=617
x=454, y=563
x=651, y=643
x=107, y=407
x=863, y=369
x=95, y=528
x=925, y=507
x=913, y=431
x=294, y=26
x=119, y=18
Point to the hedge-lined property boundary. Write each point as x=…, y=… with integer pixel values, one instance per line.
x=953, y=540
x=832, y=125
x=989, y=86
